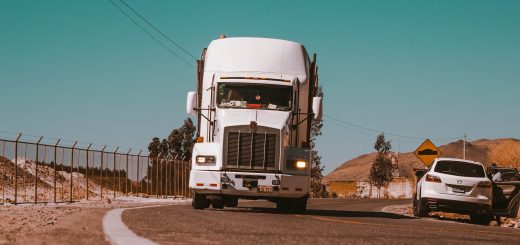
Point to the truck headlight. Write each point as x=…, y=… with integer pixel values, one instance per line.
x=297, y=165
x=205, y=160
x=301, y=164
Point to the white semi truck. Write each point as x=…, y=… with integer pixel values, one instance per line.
x=255, y=102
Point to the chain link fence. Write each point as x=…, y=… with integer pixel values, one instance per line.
x=40, y=170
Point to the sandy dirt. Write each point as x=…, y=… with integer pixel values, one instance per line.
x=76, y=223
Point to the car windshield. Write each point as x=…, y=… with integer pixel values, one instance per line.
x=254, y=96
x=459, y=169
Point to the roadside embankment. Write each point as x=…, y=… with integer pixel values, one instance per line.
x=63, y=222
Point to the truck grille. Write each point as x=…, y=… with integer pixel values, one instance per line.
x=246, y=150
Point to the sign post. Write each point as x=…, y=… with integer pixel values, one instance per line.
x=427, y=152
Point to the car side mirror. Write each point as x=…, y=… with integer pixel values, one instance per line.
x=190, y=103
x=317, y=108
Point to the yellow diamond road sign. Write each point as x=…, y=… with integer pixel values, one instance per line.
x=427, y=152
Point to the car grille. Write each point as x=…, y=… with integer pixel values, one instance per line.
x=247, y=150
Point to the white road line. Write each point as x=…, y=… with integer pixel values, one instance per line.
x=116, y=232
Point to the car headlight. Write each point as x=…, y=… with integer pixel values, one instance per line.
x=205, y=160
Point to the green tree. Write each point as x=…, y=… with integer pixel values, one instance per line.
x=180, y=141
x=381, y=170
x=156, y=148
x=178, y=145
x=317, y=188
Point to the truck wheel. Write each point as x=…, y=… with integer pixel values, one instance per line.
x=299, y=205
x=199, y=201
x=231, y=202
x=217, y=203
x=419, y=210
x=283, y=205
x=480, y=219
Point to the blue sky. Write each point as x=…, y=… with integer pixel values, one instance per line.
x=438, y=69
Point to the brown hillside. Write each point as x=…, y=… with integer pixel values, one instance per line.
x=505, y=152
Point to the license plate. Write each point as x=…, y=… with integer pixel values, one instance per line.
x=264, y=189
x=457, y=190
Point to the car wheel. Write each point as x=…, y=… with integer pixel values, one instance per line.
x=419, y=210
x=217, y=203
x=199, y=201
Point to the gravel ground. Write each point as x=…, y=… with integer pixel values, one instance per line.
x=79, y=223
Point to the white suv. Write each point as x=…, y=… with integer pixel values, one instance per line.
x=454, y=185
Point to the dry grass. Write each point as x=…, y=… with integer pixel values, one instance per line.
x=506, y=154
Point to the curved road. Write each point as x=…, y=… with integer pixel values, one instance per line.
x=333, y=221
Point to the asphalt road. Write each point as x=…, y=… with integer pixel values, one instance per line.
x=327, y=221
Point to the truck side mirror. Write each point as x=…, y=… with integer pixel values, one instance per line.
x=420, y=173
x=190, y=103
x=317, y=108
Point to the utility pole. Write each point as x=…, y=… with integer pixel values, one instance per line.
x=464, y=147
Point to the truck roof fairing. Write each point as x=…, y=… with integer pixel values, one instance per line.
x=284, y=58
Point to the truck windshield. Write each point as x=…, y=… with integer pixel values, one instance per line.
x=254, y=96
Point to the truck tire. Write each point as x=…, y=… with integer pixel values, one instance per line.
x=283, y=205
x=217, y=203
x=231, y=202
x=199, y=201
x=480, y=219
x=419, y=210
x=299, y=205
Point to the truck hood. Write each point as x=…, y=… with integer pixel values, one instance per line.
x=266, y=118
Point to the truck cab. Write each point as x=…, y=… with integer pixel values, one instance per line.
x=255, y=102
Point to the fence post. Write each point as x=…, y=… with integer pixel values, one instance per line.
x=71, y=168
x=55, y=160
x=3, y=189
x=166, y=176
x=138, y=180
x=160, y=177
x=36, y=171
x=175, y=180
x=150, y=159
x=170, y=182
x=114, y=173
x=86, y=170
x=157, y=177
x=186, y=178
x=126, y=173
x=183, y=178
x=176, y=176
x=148, y=171
x=179, y=177
x=16, y=169
x=188, y=167
x=102, y=170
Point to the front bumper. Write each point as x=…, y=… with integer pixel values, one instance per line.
x=245, y=184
